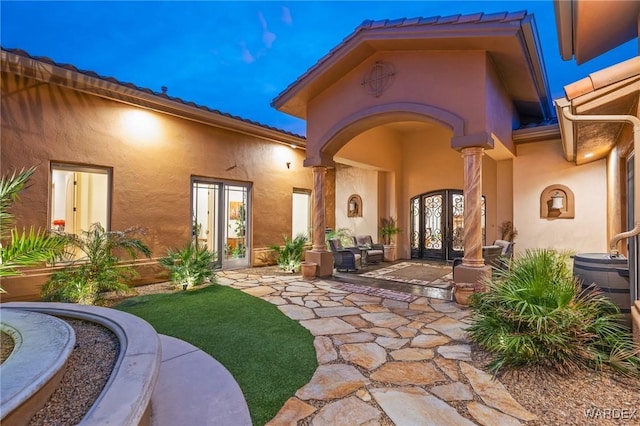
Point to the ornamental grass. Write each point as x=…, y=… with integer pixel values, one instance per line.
x=537, y=314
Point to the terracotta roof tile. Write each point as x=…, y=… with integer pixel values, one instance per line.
x=449, y=19
x=93, y=74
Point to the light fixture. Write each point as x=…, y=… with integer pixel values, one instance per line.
x=288, y=164
x=557, y=201
x=294, y=146
x=588, y=155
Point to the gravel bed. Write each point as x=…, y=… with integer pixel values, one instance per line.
x=585, y=397
x=6, y=346
x=88, y=370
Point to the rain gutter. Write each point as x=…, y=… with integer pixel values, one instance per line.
x=635, y=122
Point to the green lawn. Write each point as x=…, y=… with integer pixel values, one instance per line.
x=269, y=355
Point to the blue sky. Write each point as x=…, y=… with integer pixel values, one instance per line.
x=237, y=56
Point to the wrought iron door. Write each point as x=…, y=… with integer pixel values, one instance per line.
x=437, y=225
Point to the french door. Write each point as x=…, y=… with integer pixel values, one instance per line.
x=221, y=220
x=437, y=225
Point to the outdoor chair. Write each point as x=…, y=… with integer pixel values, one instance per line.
x=373, y=253
x=345, y=258
x=497, y=255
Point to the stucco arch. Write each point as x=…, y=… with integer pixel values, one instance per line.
x=347, y=128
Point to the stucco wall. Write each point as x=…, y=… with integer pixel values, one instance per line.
x=153, y=157
x=363, y=182
x=453, y=81
x=541, y=164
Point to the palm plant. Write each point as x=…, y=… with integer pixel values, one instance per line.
x=537, y=314
x=189, y=266
x=24, y=248
x=388, y=228
x=98, y=269
x=290, y=255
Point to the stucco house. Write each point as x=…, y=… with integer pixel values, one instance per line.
x=445, y=123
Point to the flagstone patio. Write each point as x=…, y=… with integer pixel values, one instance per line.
x=383, y=358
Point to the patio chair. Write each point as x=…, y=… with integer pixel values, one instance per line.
x=492, y=255
x=373, y=253
x=345, y=258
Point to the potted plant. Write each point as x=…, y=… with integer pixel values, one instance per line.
x=388, y=229
x=189, y=266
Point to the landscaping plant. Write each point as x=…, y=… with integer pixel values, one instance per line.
x=536, y=314
x=98, y=269
x=289, y=256
x=24, y=248
x=190, y=266
x=388, y=228
x=345, y=235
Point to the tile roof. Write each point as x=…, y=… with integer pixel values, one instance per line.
x=368, y=25
x=113, y=80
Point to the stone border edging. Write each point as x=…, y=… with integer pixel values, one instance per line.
x=34, y=368
x=126, y=397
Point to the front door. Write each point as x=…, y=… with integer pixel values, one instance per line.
x=220, y=220
x=437, y=225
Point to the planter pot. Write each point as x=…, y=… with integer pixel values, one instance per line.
x=462, y=292
x=389, y=253
x=308, y=270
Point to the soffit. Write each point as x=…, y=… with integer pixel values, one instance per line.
x=591, y=141
x=510, y=39
x=587, y=29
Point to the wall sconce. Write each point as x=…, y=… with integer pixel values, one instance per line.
x=557, y=202
x=288, y=164
x=354, y=206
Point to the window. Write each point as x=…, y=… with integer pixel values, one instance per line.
x=220, y=215
x=79, y=197
x=301, y=213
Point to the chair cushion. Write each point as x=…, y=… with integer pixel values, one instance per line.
x=374, y=252
x=502, y=243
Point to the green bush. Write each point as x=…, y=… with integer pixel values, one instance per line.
x=190, y=266
x=289, y=256
x=24, y=248
x=537, y=314
x=97, y=270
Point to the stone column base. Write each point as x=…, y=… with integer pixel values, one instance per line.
x=324, y=259
x=471, y=274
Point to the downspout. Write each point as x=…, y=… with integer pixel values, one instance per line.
x=635, y=122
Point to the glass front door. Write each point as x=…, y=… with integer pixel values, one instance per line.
x=437, y=225
x=220, y=220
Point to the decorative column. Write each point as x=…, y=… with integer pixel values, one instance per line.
x=472, y=158
x=318, y=253
x=319, y=175
x=469, y=275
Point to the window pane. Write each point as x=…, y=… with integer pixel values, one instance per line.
x=79, y=198
x=301, y=214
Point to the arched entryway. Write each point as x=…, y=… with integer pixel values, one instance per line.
x=437, y=224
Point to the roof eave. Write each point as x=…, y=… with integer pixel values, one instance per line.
x=105, y=88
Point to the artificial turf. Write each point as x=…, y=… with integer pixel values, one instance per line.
x=269, y=355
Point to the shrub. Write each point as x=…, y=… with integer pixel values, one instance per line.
x=24, y=248
x=190, y=266
x=536, y=314
x=289, y=256
x=97, y=270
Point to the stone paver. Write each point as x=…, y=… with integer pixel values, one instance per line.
x=347, y=412
x=414, y=406
x=292, y=411
x=382, y=356
x=487, y=416
x=332, y=381
x=366, y=355
x=493, y=393
x=407, y=373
